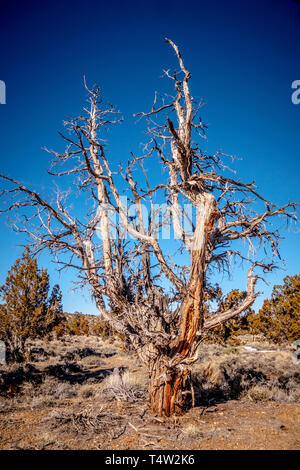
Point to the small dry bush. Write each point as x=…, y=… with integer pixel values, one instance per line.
x=257, y=376
x=230, y=350
x=91, y=419
x=50, y=391
x=122, y=386
x=273, y=393
x=259, y=393
x=191, y=431
x=64, y=390
x=88, y=391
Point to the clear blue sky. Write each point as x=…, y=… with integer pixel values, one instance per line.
x=243, y=55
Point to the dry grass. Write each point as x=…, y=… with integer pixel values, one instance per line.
x=122, y=385
x=82, y=386
x=86, y=420
x=83, y=366
x=88, y=391
x=191, y=431
x=232, y=373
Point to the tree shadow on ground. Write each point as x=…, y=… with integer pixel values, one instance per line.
x=229, y=386
x=80, y=353
x=11, y=380
x=74, y=374
x=70, y=372
x=40, y=354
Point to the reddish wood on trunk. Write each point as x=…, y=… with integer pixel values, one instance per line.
x=170, y=381
x=168, y=390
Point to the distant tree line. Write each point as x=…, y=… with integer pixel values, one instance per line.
x=28, y=311
x=278, y=320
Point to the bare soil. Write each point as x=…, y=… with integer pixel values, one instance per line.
x=99, y=401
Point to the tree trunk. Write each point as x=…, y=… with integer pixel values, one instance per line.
x=170, y=379
x=169, y=389
x=15, y=350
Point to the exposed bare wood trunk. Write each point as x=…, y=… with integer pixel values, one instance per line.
x=168, y=389
x=192, y=306
x=170, y=382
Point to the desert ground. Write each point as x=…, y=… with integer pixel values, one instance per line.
x=83, y=392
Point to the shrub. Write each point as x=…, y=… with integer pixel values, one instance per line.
x=230, y=350
x=27, y=311
x=123, y=386
x=101, y=328
x=279, y=318
x=229, y=331
x=259, y=393
x=77, y=325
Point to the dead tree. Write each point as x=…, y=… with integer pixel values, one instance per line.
x=156, y=303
